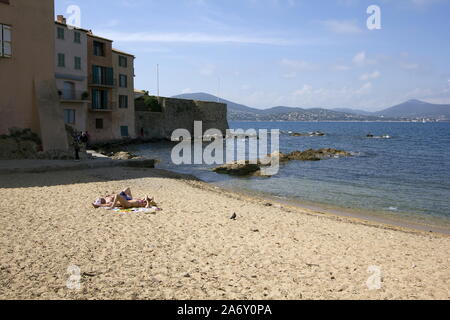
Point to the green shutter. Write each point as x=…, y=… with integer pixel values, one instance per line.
x=105, y=100
x=1, y=40
x=77, y=63
x=95, y=75
x=61, y=60
x=61, y=33
x=124, y=131
x=110, y=76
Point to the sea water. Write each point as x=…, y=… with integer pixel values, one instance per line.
x=405, y=175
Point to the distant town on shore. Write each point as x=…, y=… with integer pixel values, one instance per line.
x=410, y=111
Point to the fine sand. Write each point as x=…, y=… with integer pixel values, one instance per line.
x=193, y=250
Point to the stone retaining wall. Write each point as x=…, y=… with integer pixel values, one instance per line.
x=180, y=114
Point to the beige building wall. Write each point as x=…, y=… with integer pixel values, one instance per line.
x=124, y=117
x=72, y=83
x=28, y=96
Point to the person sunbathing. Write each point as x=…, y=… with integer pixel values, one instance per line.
x=124, y=200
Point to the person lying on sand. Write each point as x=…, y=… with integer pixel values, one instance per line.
x=124, y=200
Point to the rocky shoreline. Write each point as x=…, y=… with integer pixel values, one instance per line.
x=248, y=168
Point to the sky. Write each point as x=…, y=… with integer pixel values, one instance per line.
x=266, y=53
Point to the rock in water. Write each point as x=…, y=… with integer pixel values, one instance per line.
x=309, y=134
x=251, y=169
x=314, y=155
x=238, y=169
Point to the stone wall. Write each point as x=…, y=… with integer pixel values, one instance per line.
x=179, y=114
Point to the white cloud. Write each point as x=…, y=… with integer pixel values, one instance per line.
x=343, y=26
x=309, y=96
x=366, y=88
x=360, y=59
x=368, y=76
x=187, y=90
x=166, y=37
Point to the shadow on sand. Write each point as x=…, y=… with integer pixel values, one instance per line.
x=57, y=178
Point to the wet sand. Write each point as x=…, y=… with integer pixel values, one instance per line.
x=193, y=250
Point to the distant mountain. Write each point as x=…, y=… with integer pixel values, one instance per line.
x=414, y=109
x=241, y=112
x=410, y=110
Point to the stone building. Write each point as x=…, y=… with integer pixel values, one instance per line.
x=71, y=73
x=123, y=118
x=101, y=85
x=111, y=86
x=29, y=98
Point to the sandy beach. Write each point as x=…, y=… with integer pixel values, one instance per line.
x=193, y=250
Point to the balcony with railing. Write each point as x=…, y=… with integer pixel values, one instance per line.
x=73, y=96
x=101, y=101
x=103, y=82
x=102, y=77
x=110, y=106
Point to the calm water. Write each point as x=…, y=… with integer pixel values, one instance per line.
x=407, y=176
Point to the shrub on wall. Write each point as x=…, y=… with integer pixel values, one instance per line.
x=24, y=135
x=150, y=102
x=19, y=144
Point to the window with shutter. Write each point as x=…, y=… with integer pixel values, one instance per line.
x=61, y=60
x=124, y=131
x=123, y=102
x=99, y=123
x=123, y=81
x=109, y=76
x=5, y=41
x=61, y=33
x=77, y=63
x=77, y=37
x=1, y=40
x=123, y=61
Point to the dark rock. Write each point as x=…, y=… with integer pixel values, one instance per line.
x=309, y=134
x=238, y=169
x=314, y=155
x=233, y=217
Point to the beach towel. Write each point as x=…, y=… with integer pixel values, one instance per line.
x=152, y=210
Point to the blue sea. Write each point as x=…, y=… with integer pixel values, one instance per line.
x=404, y=178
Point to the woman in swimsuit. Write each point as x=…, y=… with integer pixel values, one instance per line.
x=124, y=200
